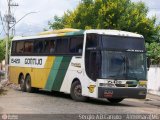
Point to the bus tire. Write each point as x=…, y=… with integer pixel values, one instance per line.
x=76, y=92
x=28, y=84
x=22, y=83
x=115, y=100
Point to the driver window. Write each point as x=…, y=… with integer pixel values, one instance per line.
x=91, y=41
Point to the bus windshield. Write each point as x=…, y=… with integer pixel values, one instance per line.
x=123, y=65
x=115, y=57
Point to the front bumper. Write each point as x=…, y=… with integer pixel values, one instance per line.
x=139, y=93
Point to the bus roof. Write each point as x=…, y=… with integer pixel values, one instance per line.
x=70, y=32
x=114, y=32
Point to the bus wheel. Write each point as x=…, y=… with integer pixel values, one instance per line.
x=28, y=84
x=76, y=91
x=22, y=83
x=115, y=100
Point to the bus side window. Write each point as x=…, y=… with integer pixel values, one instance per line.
x=20, y=47
x=50, y=46
x=13, y=51
x=62, y=45
x=28, y=47
x=38, y=47
x=91, y=41
x=76, y=45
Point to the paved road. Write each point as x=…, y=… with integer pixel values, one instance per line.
x=17, y=102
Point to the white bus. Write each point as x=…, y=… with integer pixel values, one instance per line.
x=107, y=64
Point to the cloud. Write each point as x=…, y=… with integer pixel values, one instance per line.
x=152, y=4
x=28, y=29
x=45, y=11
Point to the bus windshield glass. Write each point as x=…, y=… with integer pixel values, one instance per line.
x=123, y=65
x=123, y=57
x=115, y=57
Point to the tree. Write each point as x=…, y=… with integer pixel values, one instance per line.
x=110, y=14
x=3, y=48
x=153, y=52
x=58, y=24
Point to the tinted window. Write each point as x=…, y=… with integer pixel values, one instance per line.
x=91, y=41
x=20, y=47
x=13, y=47
x=28, y=47
x=38, y=47
x=76, y=45
x=124, y=43
x=49, y=46
x=62, y=45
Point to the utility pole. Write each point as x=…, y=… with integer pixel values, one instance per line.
x=9, y=19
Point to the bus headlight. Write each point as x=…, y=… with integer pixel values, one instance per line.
x=142, y=84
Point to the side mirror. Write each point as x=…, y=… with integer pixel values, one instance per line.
x=148, y=63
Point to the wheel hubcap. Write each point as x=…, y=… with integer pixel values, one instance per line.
x=78, y=90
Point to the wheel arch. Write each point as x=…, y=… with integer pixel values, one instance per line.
x=74, y=80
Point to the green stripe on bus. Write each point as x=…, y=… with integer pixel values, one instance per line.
x=53, y=73
x=61, y=73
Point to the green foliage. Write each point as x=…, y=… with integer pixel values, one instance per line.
x=58, y=24
x=3, y=48
x=153, y=51
x=110, y=14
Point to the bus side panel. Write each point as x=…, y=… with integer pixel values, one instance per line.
x=57, y=73
x=15, y=71
x=41, y=74
x=40, y=77
x=28, y=71
x=13, y=74
x=75, y=71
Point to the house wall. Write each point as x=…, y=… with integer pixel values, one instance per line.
x=154, y=79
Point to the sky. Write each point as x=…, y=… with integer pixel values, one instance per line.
x=44, y=11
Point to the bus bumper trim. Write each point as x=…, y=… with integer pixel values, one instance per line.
x=139, y=93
